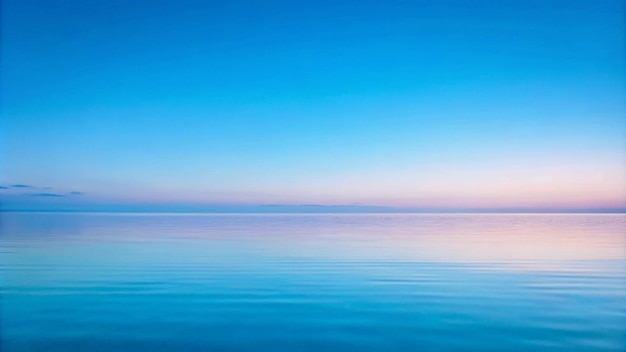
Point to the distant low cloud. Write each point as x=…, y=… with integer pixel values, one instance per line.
x=35, y=191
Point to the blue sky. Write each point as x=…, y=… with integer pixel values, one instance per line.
x=418, y=104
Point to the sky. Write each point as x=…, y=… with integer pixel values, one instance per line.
x=340, y=105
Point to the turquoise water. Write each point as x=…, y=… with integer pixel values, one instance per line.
x=191, y=282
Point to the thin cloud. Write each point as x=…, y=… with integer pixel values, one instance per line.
x=43, y=191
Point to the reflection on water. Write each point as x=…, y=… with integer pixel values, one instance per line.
x=181, y=282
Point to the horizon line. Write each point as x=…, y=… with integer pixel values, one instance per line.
x=226, y=212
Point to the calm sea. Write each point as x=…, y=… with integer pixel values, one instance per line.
x=191, y=282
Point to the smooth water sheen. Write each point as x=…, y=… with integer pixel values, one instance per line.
x=197, y=282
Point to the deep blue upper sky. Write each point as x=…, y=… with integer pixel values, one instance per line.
x=429, y=104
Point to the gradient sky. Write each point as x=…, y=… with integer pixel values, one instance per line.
x=425, y=104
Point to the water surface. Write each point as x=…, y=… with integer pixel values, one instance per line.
x=393, y=282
